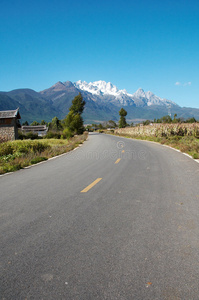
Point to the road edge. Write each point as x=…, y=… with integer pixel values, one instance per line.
x=196, y=160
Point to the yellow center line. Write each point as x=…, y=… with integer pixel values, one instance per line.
x=91, y=185
x=118, y=160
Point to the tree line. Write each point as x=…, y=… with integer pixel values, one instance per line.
x=71, y=125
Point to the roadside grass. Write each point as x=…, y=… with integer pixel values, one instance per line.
x=186, y=144
x=15, y=155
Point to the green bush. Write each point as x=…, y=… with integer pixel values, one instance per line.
x=21, y=136
x=19, y=154
x=32, y=136
x=6, y=148
x=67, y=133
x=28, y=136
x=37, y=160
x=22, y=148
x=38, y=147
x=53, y=135
x=6, y=158
x=11, y=168
x=196, y=133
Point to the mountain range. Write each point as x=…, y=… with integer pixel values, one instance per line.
x=103, y=102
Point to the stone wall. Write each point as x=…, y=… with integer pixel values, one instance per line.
x=159, y=130
x=8, y=133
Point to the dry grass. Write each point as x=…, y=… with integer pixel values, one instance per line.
x=15, y=155
x=184, y=137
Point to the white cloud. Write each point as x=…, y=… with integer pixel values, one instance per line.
x=183, y=84
x=188, y=83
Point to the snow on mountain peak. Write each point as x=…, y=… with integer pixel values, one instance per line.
x=140, y=97
x=139, y=93
x=99, y=88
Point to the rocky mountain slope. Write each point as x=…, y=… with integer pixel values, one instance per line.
x=108, y=92
x=103, y=102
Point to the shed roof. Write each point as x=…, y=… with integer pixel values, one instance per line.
x=7, y=114
x=34, y=128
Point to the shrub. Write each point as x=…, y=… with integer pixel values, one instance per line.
x=32, y=136
x=21, y=135
x=6, y=148
x=19, y=154
x=196, y=133
x=22, y=148
x=38, y=159
x=52, y=135
x=67, y=133
x=10, y=168
x=38, y=147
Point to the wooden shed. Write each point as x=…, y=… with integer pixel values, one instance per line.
x=41, y=130
x=9, y=124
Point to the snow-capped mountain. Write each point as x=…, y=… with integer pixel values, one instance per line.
x=101, y=92
x=110, y=93
x=99, y=88
x=151, y=98
x=103, y=102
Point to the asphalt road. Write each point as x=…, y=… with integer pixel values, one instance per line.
x=114, y=219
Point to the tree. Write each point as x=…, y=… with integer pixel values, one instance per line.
x=165, y=119
x=94, y=126
x=191, y=120
x=122, y=121
x=43, y=122
x=34, y=123
x=111, y=124
x=101, y=126
x=147, y=122
x=175, y=120
x=78, y=104
x=74, y=120
x=25, y=123
x=55, y=124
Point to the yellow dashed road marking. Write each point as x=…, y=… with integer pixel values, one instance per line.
x=118, y=160
x=91, y=185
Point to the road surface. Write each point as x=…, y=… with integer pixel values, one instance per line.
x=114, y=219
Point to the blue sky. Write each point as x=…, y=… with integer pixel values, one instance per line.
x=132, y=44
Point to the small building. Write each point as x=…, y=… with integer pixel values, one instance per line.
x=9, y=124
x=41, y=130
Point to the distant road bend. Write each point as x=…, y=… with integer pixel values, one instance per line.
x=114, y=219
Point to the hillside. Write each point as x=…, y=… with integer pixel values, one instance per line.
x=32, y=106
x=103, y=102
